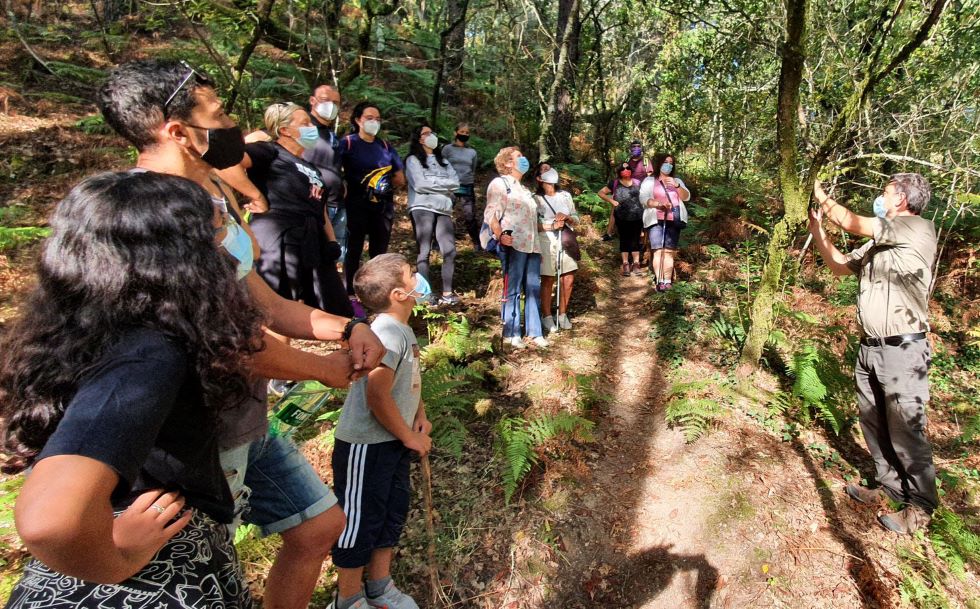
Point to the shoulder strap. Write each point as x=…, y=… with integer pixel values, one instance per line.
x=347, y=139
x=546, y=202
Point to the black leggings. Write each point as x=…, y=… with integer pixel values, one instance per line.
x=426, y=223
x=365, y=222
x=630, y=233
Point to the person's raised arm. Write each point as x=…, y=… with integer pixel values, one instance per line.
x=65, y=518
x=297, y=320
x=379, y=384
x=841, y=216
x=832, y=257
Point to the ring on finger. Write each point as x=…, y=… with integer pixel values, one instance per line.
x=158, y=508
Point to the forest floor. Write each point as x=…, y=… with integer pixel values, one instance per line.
x=751, y=514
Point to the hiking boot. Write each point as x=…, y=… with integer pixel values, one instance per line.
x=564, y=323
x=906, y=521
x=539, y=341
x=515, y=342
x=449, y=299
x=392, y=598
x=607, y=237
x=867, y=496
x=548, y=324
x=636, y=268
x=626, y=270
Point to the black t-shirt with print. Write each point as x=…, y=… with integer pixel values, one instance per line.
x=291, y=185
x=629, y=209
x=140, y=410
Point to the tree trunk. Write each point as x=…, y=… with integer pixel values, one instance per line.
x=263, y=13
x=446, y=79
x=794, y=201
x=553, y=143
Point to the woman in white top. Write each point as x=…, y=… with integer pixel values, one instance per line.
x=555, y=211
x=431, y=183
x=665, y=214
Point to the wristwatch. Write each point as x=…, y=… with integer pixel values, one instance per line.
x=349, y=327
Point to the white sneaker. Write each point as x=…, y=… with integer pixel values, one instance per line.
x=548, y=323
x=515, y=341
x=393, y=598
x=564, y=323
x=539, y=341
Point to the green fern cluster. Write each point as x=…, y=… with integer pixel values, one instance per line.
x=449, y=393
x=922, y=581
x=953, y=541
x=520, y=439
x=818, y=384
x=692, y=408
x=452, y=339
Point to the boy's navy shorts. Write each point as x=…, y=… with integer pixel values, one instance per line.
x=373, y=485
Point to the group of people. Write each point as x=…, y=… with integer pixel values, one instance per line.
x=133, y=384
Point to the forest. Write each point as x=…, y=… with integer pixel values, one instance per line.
x=687, y=448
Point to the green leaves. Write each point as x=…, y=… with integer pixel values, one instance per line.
x=520, y=440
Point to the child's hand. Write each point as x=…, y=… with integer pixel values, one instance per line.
x=143, y=528
x=419, y=442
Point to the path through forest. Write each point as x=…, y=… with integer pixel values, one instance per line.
x=739, y=518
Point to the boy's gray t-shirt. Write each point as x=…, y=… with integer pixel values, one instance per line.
x=357, y=425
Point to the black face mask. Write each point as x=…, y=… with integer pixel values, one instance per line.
x=226, y=147
x=462, y=138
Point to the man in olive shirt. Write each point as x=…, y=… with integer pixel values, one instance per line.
x=894, y=272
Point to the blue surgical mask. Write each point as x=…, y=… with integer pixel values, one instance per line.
x=666, y=168
x=239, y=245
x=523, y=164
x=879, y=207
x=422, y=290
x=308, y=137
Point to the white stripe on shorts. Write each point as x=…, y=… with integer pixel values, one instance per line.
x=353, y=493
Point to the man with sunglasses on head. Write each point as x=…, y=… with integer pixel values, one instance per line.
x=173, y=116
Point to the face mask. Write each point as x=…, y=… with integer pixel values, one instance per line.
x=226, y=147
x=462, y=138
x=523, y=164
x=550, y=177
x=637, y=151
x=626, y=174
x=239, y=245
x=326, y=110
x=666, y=168
x=308, y=137
x=422, y=291
x=431, y=141
x=371, y=127
x=879, y=207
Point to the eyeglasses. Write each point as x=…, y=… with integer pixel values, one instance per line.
x=191, y=72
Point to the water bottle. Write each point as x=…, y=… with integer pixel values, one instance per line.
x=303, y=401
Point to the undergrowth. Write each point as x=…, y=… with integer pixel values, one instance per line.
x=521, y=441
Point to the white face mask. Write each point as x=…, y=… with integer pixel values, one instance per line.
x=371, y=127
x=431, y=141
x=550, y=177
x=326, y=110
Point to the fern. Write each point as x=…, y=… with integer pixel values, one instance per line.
x=449, y=395
x=810, y=367
x=520, y=439
x=693, y=415
x=731, y=333
x=956, y=544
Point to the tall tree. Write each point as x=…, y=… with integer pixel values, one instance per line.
x=556, y=122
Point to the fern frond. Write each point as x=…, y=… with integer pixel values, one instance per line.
x=519, y=440
x=953, y=541
x=693, y=415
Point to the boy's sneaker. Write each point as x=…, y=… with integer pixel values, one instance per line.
x=360, y=603
x=548, y=323
x=539, y=341
x=564, y=323
x=906, y=521
x=449, y=299
x=392, y=598
x=515, y=342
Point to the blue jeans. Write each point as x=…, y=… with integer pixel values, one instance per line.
x=523, y=275
x=338, y=218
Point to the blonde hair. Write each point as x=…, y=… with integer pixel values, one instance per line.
x=278, y=116
x=503, y=157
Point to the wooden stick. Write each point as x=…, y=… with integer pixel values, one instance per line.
x=439, y=598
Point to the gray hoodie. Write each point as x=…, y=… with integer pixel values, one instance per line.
x=430, y=188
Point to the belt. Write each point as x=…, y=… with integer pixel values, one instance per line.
x=892, y=341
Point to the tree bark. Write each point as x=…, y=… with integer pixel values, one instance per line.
x=553, y=142
x=263, y=13
x=448, y=73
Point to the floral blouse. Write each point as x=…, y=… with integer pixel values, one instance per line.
x=516, y=210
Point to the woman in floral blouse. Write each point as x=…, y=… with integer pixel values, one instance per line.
x=512, y=215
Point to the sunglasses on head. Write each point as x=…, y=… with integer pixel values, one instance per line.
x=191, y=73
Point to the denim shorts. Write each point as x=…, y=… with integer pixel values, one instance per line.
x=274, y=486
x=664, y=235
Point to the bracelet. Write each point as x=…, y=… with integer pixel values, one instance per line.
x=349, y=327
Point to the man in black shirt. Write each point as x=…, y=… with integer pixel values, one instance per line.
x=325, y=156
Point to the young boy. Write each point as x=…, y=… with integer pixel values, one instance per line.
x=382, y=424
